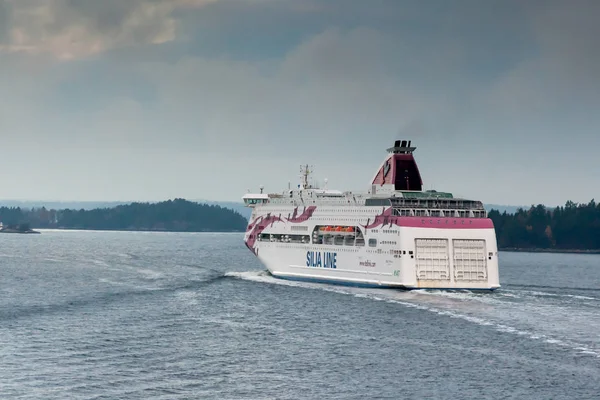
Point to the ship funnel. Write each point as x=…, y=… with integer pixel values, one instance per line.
x=402, y=147
x=399, y=170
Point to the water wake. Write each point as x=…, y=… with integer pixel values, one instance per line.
x=555, y=319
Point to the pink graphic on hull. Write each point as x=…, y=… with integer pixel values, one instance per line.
x=305, y=216
x=386, y=218
x=261, y=223
x=257, y=227
x=382, y=219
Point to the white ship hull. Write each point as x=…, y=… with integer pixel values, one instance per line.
x=410, y=257
x=395, y=235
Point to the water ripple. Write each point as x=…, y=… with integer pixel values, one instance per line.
x=101, y=315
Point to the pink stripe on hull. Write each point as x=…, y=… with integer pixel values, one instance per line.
x=444, y=223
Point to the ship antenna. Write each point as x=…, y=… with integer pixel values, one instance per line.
x=304, y=172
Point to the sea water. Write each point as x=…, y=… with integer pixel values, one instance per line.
x=107, y=315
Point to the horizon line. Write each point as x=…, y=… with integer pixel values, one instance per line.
x=523, y=205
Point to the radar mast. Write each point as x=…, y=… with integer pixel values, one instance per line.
x=305, y=171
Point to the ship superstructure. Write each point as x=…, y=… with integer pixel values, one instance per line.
x=395, y=234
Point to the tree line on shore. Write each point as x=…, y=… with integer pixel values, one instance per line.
x=572, y=227
x=177, y=215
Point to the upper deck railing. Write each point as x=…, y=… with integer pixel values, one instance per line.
x=439, y=213
x=424, y=203
x=426, y=206
x=439, y=208
x=458, y=204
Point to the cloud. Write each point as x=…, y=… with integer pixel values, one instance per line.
x=335, y=85
x=563, y=70
x=568, y=34
x=224, y=105
x=4, y=18
x=249, y=89
x=71, y=29
x=203, y=99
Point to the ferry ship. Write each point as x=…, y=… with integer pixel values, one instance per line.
x=393, y=235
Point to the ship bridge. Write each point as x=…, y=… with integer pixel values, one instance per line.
x=253, y=199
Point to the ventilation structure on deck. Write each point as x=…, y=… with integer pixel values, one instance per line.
x=470, y=260
x=432, y=259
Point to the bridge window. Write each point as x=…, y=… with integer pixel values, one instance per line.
x=255, y=201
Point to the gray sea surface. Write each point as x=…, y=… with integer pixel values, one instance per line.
x=133, y=315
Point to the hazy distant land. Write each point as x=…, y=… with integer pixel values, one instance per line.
x=177, y=215
x=238, y=207
x=18, y=228
x=232, y=205
x=570, y=228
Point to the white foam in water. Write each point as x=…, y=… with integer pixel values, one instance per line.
x=149, y=273
x=132, y=285
x=115, y=283
x=261, y=276
x=506, y=294
x=146, y=273
x=102, y=263
x=580, y=297
x=52, y=259
x=461, y=304
x=572, y=296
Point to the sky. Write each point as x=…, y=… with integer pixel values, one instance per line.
x=148, y=100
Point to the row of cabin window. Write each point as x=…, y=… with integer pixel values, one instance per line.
x=420, y=213
x=306, y=239
x=438, y=213
x=267, y=237
x=299, y=228
x=406, y=212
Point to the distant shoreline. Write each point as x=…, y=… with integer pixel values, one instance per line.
x=563, y=251
x=178, y=215
x=134, y=230
x=19, y=232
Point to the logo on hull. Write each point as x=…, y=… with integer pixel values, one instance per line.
x=367, y=263
x=319, y=259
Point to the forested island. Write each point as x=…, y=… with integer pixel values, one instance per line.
x=574, y=227
x=17, y=228
x=177, y=215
